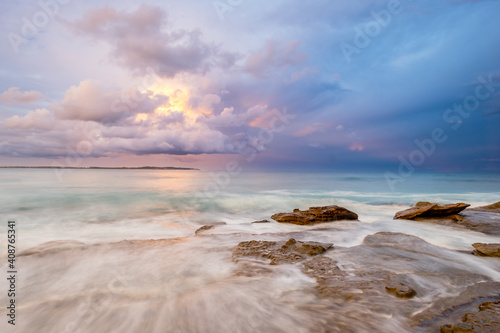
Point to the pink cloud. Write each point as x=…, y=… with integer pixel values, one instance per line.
x=89, y=102
x=14, y=95
x=139, y=40
x=274, y=55
x=309, y=129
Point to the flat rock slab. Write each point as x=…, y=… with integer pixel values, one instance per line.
x=316, y=215
x=489, y=250
x=428, y=209
x=493, y=208
x=333, y=282
x=488, y=223
x=288, y=252
x=486, y=320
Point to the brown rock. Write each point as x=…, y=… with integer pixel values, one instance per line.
x=250, y=269
x=489, y=250
x=493, y=208
x=428, y=209
x=262, y=221
x=400, y=290
x=486, y=320
x=333, y=282
x=316, y=215
x=488, y=223
x=279, y=252
x=208, y=227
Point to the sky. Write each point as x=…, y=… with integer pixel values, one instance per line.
x=379, y=85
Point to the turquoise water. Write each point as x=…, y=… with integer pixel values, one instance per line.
x=109, y=205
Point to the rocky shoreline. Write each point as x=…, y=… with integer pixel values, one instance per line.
x=396, y=282
x=314, y=270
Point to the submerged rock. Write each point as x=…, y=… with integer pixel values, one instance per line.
x=316, y=215
x=486, y=320
x=53, y=247
x=288, y=252
x=359, y=283
x=262, y=221
x=333, y=282
x=489, y=250
x=208, y=227
x=428, y=209
x=400, y=290
x=493, y=208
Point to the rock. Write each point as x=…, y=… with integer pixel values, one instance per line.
x=208, y=227
x=321, y=268
x=493, y=208
x=486, y=320
x=428, y=209
x=489, y=250
x=488, y=223
x=53, y=247
x=333, y=282
x=262, y=221
x=250, y=269
x=400, y=290
x=316, y=215
x=279, y=252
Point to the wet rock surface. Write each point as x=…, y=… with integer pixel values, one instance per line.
x=316, y=215
x=484, y=219
x=429, y=209
x=288, y=252
x=488, y=223
x=262, y=221
x=53, y=247
x=393, y=274
x=487, y=319
x=333, y=282
x=493, y=208
x=208, y=227
x=489, y=250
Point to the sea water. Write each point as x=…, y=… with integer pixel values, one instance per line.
x=91, y=273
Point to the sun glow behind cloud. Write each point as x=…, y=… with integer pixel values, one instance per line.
x=178, y=101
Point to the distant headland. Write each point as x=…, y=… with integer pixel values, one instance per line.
x=99, y=168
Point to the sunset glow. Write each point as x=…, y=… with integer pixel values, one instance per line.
x=164, y=82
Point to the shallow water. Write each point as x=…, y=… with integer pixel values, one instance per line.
x=89, y=279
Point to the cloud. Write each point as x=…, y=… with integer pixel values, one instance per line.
x=139, y=40
x=274, y=55
x=41, y=134
x=259, y=116
x=312, y=128
x=93, y=122
x=89, y=102
x=14, y=95
x=39, y=119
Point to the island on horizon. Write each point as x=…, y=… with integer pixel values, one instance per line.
x=95, y=167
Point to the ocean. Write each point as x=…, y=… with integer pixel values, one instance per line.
x=83, y=268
